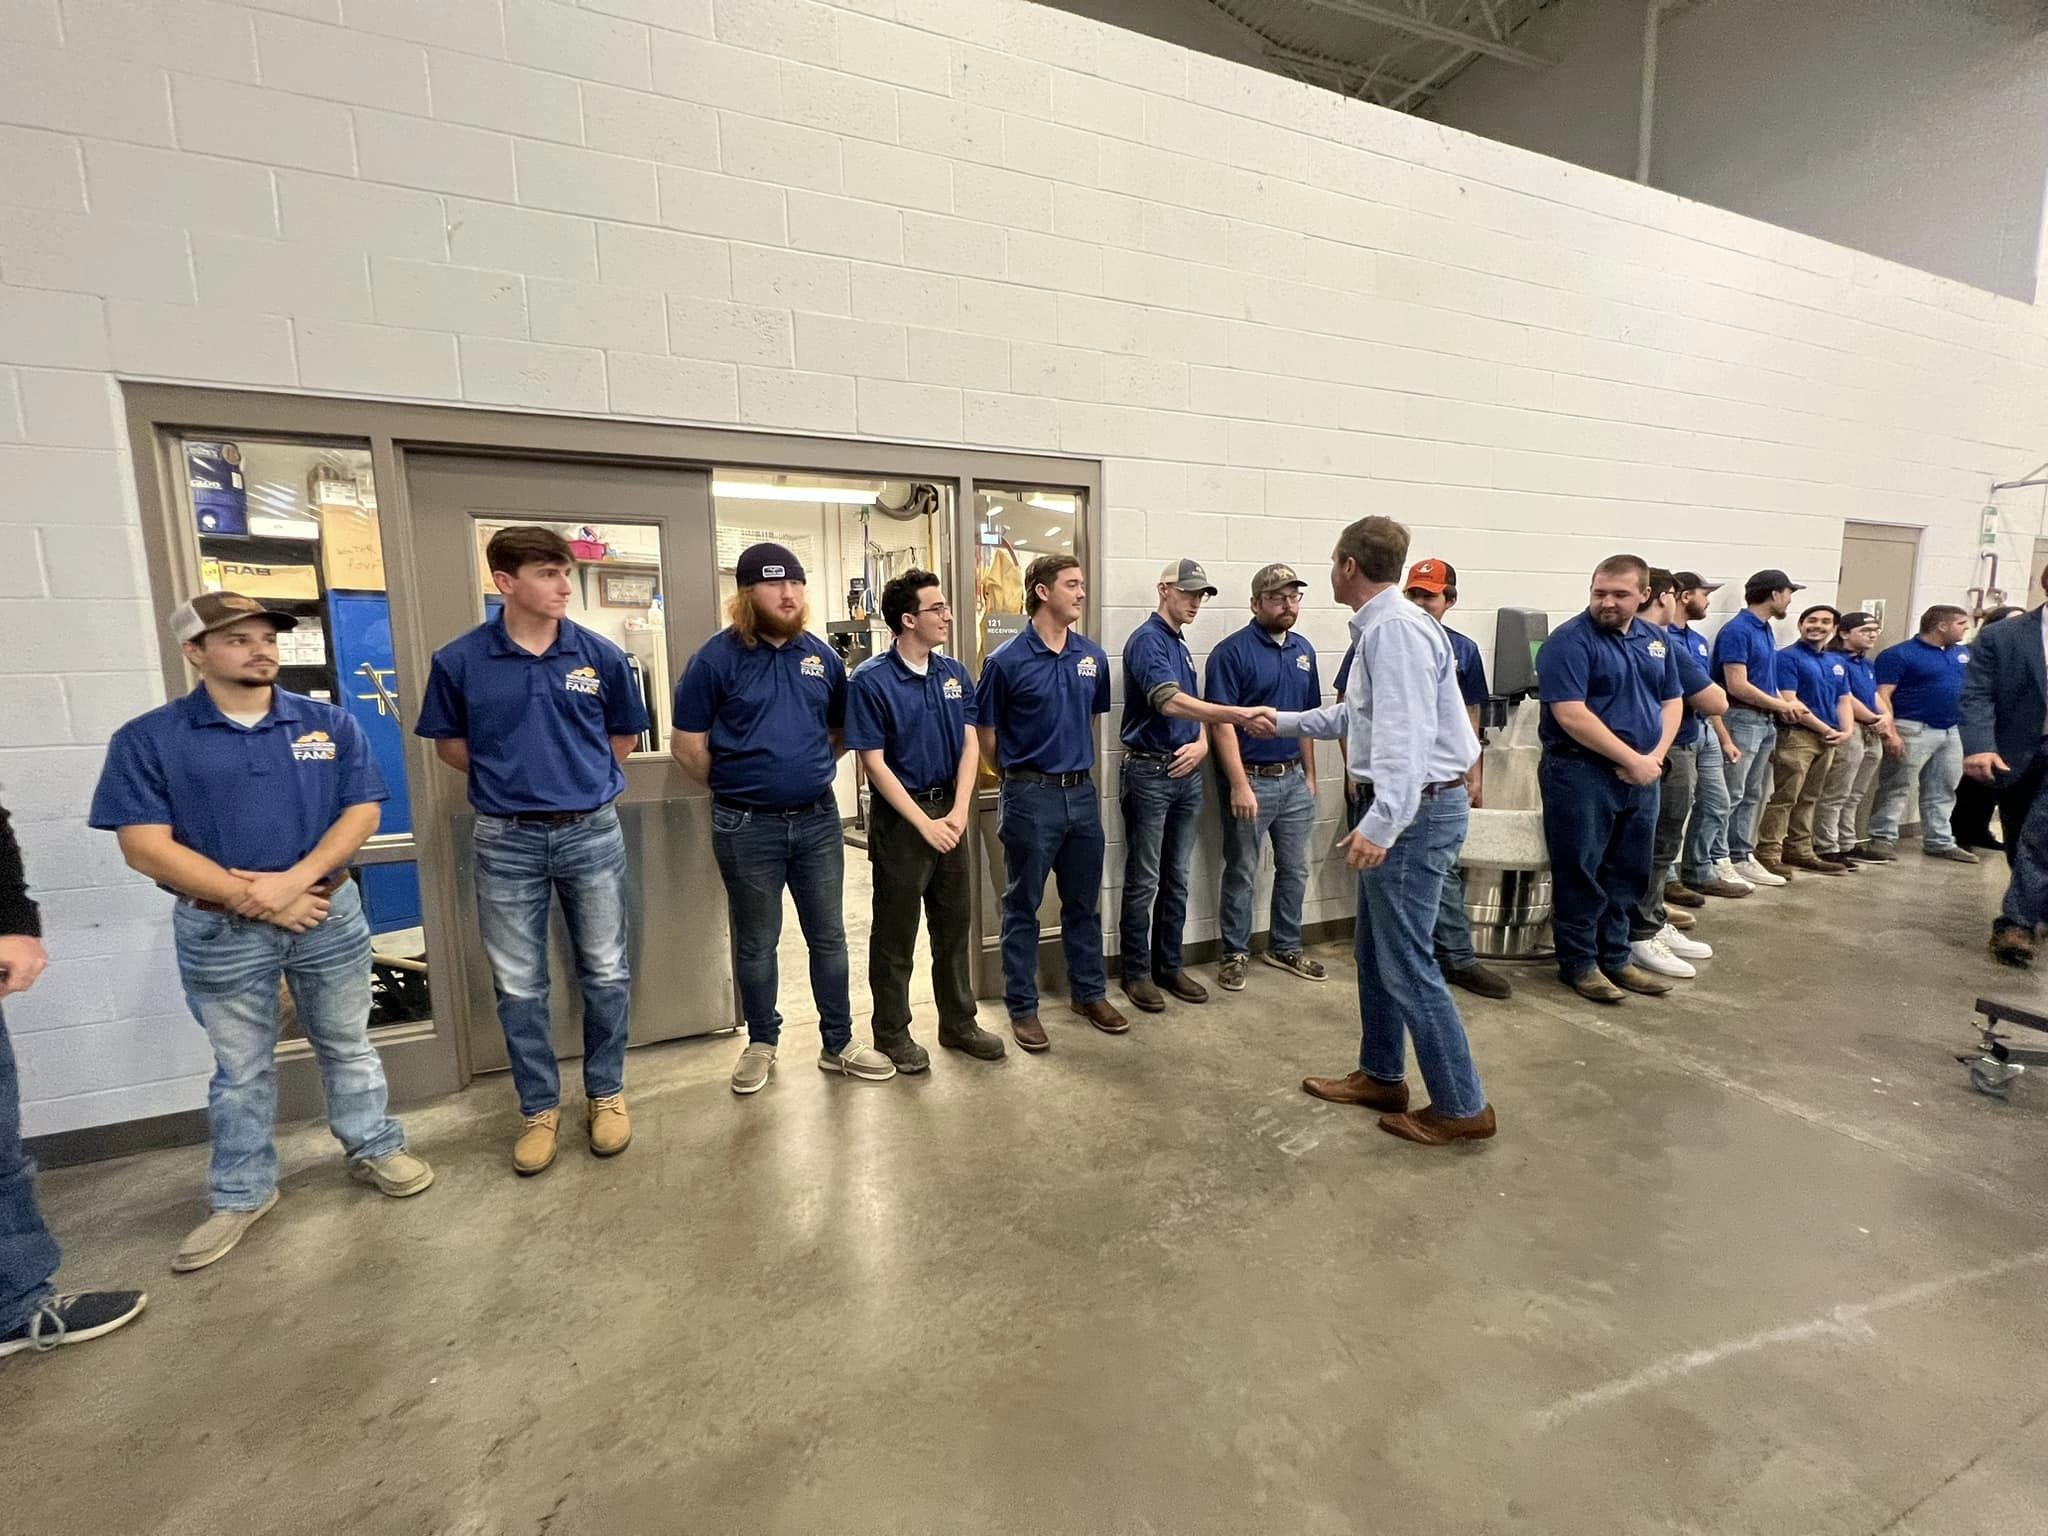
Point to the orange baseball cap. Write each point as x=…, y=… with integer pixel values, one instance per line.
x=1430, y=576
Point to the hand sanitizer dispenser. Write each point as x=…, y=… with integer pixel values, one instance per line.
x=1518, y=634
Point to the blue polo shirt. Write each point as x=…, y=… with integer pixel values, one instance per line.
x=257, y=799
x=539, y=728
x=1694, y=656
x=1927, y=681
x=1154, y=656
x=769, y=711
x=1464, y=653
x=1251, y=667
x=1818, y=677
x=1041, y=703
x=1862, y=679
x=1624, y=677
x=916, y=723
x=1749, y=642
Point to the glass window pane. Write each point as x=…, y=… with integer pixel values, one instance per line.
x=1014, y=525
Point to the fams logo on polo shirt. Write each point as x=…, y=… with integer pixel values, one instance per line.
x=313, y=747
x=951, y=689
x=1085, y=666
x=1301, y=663
x=1657, y=649
x=582, y=680
x=812, y=666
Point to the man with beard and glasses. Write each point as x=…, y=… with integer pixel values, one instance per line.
x=1705, y=868
x=1815, y=679
x=1034, y=711
x=539, y=714
x=1746, y=666
x=248, y=803
x=759, y=716
x=1853, y=773
x=1269, y=786
x=1612, y=704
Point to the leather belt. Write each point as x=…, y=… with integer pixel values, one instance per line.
x=936, y=792
x=1273, y=770
x=737, y=807
x=1429, y=791
x=1137, y=756
x=1053, y=780
x=325, y=887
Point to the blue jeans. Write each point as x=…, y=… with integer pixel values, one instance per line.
x=1451, y=937
x=1401, y=992
x=1287, y=814
x=2022, y=813
x=230, y=968
x=1706, y=837
x=759, y=853
x=1050, y=831
x=1935, y=758
x=1160, y=817
x=1602, y=834
x=1749, y=781
x=520, y=867
x=28, y=1254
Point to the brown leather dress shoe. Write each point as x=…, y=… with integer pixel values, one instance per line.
x=1029, y=1033
x=1186, y=988
x=1143, y=993
x=1676, y=895
x=1357, y=1088
x=1775, y=865
x=1596, y=988
x=1812, y=862
x=1431, y=1129
x=1103, y=1015
x=1634, y=978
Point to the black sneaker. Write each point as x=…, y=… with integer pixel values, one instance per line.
x=74, y=1319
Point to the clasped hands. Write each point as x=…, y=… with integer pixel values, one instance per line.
x=281, y=898
x=1261, y=720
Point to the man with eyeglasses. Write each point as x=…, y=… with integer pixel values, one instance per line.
x=910, y=716
x=1269, y=784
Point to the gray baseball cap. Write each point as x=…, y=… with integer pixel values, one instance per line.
x=1188, y=576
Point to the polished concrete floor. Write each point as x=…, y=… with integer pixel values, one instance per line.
x=1752, y=1259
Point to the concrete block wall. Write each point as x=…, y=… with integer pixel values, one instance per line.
x=1269, y=310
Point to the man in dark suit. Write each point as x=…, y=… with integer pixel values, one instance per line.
x=2005, y=744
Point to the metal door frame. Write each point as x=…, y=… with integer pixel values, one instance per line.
x=432, y=1057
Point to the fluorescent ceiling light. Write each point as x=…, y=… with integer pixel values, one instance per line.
x=755, y=490
x=1061, y=504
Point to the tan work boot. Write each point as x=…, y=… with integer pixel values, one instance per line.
x=535, y=1148
x=610, y=1130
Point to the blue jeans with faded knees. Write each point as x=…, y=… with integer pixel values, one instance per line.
x=1287, y=814
x=1046, y=830
x=1160, y=818
x=759, y=853
x=28, y=1254
x=1749, y=781
x=1706, y=835
x=1401, y=992
x=1933, y=757
x=521, y=868
x=230, y=967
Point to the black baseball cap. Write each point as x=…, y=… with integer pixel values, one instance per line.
x=768, y=562
x=1855, y=618
x=1693, y=581
x=1771, y=581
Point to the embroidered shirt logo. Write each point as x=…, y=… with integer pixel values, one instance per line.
x=952, y=689
x=1840, y=670
x=582, y=680
x=313, y=747
x=1085, y=666
x=1301, y=664
x=813, y=666
x=1657, y=649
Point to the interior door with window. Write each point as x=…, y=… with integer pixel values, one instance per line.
x=643, y=539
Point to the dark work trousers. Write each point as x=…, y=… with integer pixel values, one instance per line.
x=1674, y=805
x=1602, y=835
x=2023, y=817
x=909, y=872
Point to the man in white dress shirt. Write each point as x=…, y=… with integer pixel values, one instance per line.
x=1409, y=742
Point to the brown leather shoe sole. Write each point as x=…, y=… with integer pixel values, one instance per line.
x=1103, y=1015
x=1430, y=1129
x=1676, y=895
x=1029, y=1033
x=1357, y=1088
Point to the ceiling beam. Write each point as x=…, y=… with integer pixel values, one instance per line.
x=1433, y=31
x=1367, y=75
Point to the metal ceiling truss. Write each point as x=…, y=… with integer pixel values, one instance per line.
x=1405, y=50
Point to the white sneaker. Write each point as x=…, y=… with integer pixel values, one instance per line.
x=1652, y=956
x=1727, y=871
x=1684, y=945
x=1756, y=874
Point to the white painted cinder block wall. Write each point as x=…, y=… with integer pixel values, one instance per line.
x=1267, y=309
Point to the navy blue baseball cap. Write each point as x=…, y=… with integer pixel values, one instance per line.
x=768, y=562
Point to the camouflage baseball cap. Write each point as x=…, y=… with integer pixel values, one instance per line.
x=1272, y=578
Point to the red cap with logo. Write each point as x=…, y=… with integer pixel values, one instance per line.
x=1430, y=576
